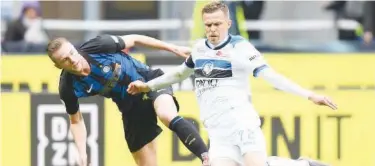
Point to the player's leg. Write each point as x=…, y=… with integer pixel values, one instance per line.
x=224, y=154
x=253, y=146
x=166, y=110
x=146, y=156
x=224, y=162
x=141, y=129
x=280, y=161
x=254, y=159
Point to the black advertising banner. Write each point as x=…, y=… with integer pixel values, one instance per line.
x=52, y=143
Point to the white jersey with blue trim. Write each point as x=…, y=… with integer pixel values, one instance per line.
x=222, y=82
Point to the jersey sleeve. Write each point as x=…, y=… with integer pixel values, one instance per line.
x=254, y=60
x=103, y=44
x=66, y=92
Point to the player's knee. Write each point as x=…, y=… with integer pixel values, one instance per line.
x=165, y=108
x=75, y=118
x=255, y=159
x=146, y=156
x=223, y=162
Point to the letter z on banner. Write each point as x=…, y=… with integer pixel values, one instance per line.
x=51, y=140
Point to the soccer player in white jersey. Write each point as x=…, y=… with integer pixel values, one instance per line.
x=221, y=64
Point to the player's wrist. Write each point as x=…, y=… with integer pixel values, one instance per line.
x=310, y=95
x=150, y=86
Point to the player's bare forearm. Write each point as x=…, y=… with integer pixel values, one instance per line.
x=134, y=40
x=79, y=133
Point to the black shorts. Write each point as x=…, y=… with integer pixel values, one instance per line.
x=139, y=116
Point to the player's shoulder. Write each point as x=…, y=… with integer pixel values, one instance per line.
x=104, y=43
x=65, y=81
x=240, y=43
x=93, y=41
x=237, y=39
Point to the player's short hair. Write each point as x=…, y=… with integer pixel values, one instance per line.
x=54, y=45
x=215, y=6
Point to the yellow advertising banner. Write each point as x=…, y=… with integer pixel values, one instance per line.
x=15, y=129
x=319, y=71
x=293, y=126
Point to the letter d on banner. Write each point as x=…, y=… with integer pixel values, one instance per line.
x=52, y=142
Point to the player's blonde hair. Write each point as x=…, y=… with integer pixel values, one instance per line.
x=54, y=45
x=215, y=6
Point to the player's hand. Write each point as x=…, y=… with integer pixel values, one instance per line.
x=322, y=100
x=137, y=87
x=182, y=51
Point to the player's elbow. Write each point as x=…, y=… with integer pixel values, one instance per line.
x=75, y=118
x=130, y=40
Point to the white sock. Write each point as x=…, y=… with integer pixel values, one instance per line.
x=280, y=161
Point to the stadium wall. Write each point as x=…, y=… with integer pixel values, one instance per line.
x=34, y=128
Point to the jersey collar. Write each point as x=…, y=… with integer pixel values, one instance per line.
x=219, y=46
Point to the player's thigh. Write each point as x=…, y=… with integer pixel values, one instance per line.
x=146, y=156
x=253, y=146
x=165, y=107
x=224, y=154
x=140, y=124
x=255, y=158
x=224, y=162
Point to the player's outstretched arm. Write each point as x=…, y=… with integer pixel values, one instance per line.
x=134, y=40
x=78, y=128
x=259, y=67
x=180, y=73
x=77, y=124
x=282, y=83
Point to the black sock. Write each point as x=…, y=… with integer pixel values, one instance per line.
x=189, y=136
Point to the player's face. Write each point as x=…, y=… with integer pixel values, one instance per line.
x=68, y=58
x=217, y=25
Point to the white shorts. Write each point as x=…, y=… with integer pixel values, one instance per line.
x=237, y=144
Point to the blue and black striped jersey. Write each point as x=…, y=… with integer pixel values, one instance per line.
x=111, y=72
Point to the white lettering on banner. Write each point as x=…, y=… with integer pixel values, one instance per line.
x=58, y=158
x=59, y=138
x=59, y=128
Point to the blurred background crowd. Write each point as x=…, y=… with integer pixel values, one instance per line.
x=272, y=26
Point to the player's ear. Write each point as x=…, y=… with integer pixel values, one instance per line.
x=229, y=22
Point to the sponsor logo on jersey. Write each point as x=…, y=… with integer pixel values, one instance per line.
x=253, y=57
x=106, y=69
x=221, y=54
x=202, y=85
x=208, y=67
